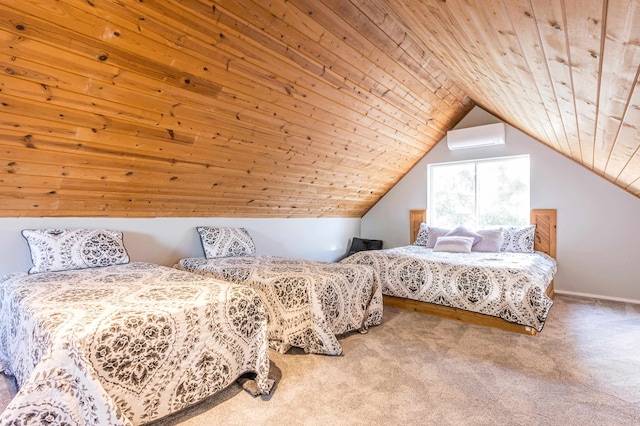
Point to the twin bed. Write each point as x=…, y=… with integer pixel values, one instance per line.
x=308, y=303
x=92, y=338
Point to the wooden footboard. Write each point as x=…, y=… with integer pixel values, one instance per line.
x=545, y=241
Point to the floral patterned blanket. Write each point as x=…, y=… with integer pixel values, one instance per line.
x=125, y=344
x=506, y=285
x=308, y=302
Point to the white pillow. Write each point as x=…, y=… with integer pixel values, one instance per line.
x=65, y=249
x=491, y=241
x=519, y=239
x=225, y=242
x=454, y=244
x=434, y=234
x=423, y=235
x=461, y=231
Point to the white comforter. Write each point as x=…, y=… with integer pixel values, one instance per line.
x=125, y=344
x=507, y=285
x=308, y=302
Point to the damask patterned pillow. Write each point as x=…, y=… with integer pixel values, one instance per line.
x=518, y=239
x=226, y=242
x=423, y=235
x=65, y=249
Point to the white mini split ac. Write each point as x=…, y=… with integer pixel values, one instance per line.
x=475, y=137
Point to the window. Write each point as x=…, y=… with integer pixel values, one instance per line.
x=480, y=193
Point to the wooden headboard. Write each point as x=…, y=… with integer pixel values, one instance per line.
x=544, y=219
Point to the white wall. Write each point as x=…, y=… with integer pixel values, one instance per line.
x=598, y=223
x=166, y=240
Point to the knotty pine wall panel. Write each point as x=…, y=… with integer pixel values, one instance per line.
x=199, y=108
x=294, y=108
x=564, y=72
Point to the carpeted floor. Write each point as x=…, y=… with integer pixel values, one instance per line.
x=583, y=369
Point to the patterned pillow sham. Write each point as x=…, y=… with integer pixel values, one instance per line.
x=65, y=249
x=518, y=239
x=226, y=242
x=423, y=235
x=454, y=244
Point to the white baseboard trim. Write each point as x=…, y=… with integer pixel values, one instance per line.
x=597, y=296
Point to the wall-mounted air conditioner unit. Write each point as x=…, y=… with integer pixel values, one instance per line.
x=475, y=137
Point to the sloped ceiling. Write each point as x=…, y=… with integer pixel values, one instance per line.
x=293, y=108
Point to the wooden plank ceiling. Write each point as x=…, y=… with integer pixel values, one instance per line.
x=299, y=108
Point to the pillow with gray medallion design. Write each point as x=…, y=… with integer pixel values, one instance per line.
x=519, y=239
x=423, y=235
x=66, y=249
x=225, y=242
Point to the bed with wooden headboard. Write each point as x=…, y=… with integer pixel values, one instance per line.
x=542, y=293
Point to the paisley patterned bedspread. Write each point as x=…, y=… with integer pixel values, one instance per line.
x=507, y=285
x=125, y=344
x=308, y=302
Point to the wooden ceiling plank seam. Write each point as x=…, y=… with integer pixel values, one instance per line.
x=603, y=34
x=397, y=33
x=620, y=52
x=93, y=46
x=405, y=41
x=169, y=153
x=504, y=32
x=148, y=200
x=547, y=29
x=521, y=20
x=539, y=124
x=461, y=19
x=227, y=40
x=17, y=176
x=470, y=74
x=145, y=198
x=621, y=169
x=287, y=9
x=171, y=115
x=549, y=16
x=99, y=125
x=134, y=167
x=280, y=193
x=584, y=24
x=315, y=103
x=169, y=210
x=156, y=49
x=352, y=15
x=40, y=171
x=352, y=98
x=572, y=86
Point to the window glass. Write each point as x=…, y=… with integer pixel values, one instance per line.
x=479, y=194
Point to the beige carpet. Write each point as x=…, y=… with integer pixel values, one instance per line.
x=583, y=369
